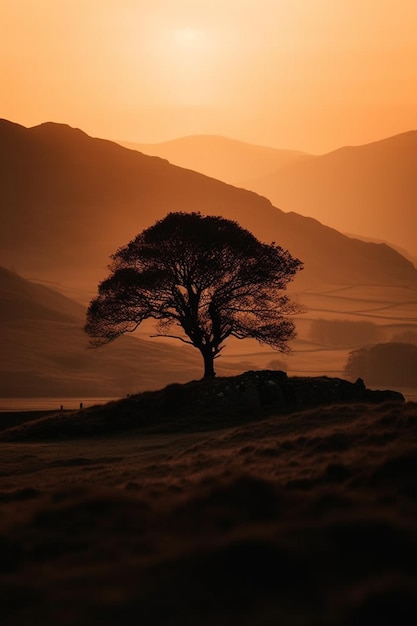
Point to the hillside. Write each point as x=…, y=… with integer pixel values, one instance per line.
x=44, y=350
x=370, y=190
x=69, y=200
x=45, y=353
x=226, y=159
x=300, y=519
x=202, y=405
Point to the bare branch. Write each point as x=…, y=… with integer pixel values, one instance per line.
x=190, y=343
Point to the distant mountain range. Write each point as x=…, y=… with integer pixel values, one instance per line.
x=219, y=157
x=370, y=189
x=69, y=200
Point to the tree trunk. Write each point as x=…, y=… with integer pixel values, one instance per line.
x=208, y=363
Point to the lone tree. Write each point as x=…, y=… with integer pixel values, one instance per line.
x=203, y=279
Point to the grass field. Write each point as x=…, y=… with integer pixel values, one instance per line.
x=299, y=519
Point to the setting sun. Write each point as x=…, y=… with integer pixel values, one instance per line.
x=190, y=38
x=185, y=63
x=302, y=75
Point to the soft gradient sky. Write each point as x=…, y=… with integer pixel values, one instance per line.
x=303, y=74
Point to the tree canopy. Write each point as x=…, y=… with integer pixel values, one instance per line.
x=203, y=279
x=391, y=363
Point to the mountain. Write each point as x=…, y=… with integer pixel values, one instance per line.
x=219, y=157
x=44, y=350
x=69, y=200
x=370, y=190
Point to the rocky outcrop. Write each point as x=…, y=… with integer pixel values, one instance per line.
x=202, y=405
x=268, y=391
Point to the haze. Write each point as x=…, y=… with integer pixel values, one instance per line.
x=260, y=95
x=309, y=75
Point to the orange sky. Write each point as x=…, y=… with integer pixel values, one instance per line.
x=304, y=74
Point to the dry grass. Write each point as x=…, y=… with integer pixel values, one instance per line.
x=299, y=519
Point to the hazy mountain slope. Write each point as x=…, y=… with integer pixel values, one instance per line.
x=21, y=299
x=370, y=190
x=44, y=350
x=219, y=157
x=68, y=201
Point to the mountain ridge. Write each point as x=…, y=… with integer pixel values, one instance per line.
x=68, y=201
x=234, y=160
x=370, y=188
x=364, y=181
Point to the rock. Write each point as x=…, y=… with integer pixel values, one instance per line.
x=267, y=391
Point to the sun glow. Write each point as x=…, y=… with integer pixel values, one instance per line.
x=186, y=61
x=311, y=75
x=189, y=46
x=190, y=37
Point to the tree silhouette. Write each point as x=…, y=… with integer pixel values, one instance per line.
x=203, y=279
x=384, y=364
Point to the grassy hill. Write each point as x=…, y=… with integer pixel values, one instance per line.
x=304, y=518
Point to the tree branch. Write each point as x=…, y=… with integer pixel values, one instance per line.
x=190, y=343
